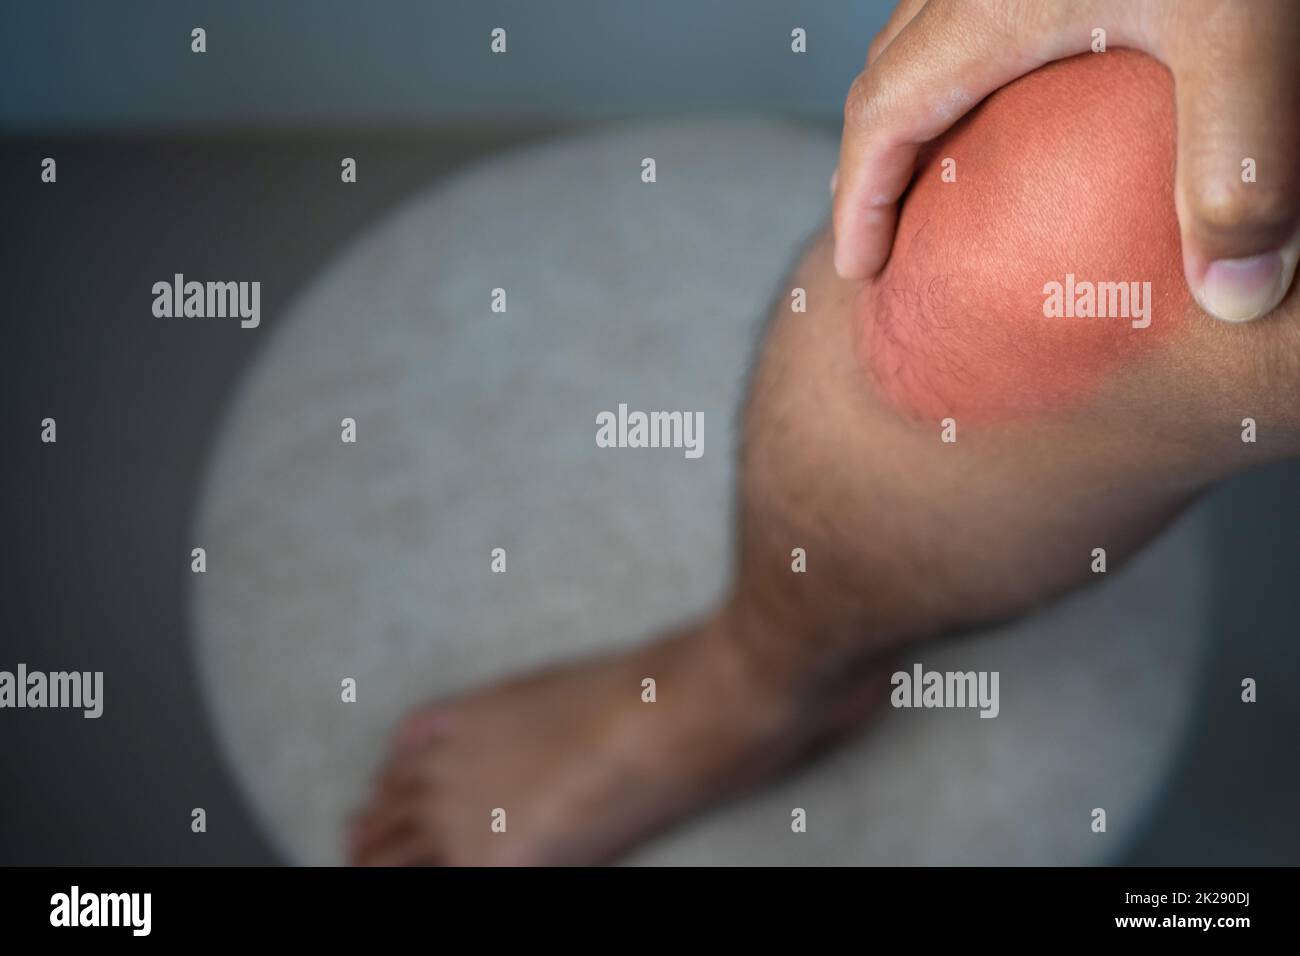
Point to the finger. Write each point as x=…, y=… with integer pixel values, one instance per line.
x=1237, y=185
x=901, y=17
x=946, y=59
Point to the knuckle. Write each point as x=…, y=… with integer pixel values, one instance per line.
x=863, y=106
x=858, y=100
x=1230, y=208
x=1006, y=16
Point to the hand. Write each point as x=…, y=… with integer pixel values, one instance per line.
x=1236, y=70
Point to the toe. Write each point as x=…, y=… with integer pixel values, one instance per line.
x=417, y=849
x=399, y=778
x=383, y=825
x=400, y=836
x=419, y=728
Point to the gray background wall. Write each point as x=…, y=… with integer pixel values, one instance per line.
x=70, y=65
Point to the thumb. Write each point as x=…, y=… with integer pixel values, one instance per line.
x=1238, y=182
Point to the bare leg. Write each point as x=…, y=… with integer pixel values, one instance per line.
x=906, y=536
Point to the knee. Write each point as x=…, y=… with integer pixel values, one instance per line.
x=1065, y=176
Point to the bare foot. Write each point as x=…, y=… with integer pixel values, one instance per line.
x=582, y=766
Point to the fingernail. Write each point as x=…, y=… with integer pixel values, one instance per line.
x=835, y=179
x=1239, y=290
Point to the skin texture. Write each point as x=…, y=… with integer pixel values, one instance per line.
x=952, y=333
x=907, y=538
